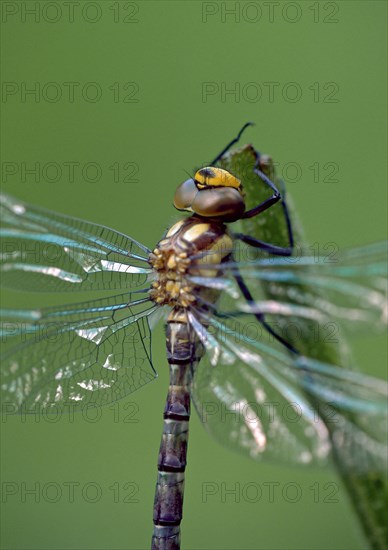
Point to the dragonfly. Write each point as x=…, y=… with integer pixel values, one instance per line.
x=200, y=281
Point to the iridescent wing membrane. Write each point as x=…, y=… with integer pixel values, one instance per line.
x=46, y=251
x=254, y=396
x=96, y=351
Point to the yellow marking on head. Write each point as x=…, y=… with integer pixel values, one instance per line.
x=215, y=177
x=196, y=231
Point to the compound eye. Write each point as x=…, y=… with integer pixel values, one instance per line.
x=213, y=193
x=225, y=203
x=185, y=195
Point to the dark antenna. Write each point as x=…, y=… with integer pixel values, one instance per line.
x=235, y=140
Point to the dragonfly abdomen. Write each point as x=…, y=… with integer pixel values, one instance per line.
x=188, y=245
x=183, y=354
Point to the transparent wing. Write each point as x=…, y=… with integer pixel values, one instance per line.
x=45, y=251
x=91, y=352
x=264, y=402
x=294, y=407
x=350, y=287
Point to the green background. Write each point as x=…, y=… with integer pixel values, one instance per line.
x=170, y=49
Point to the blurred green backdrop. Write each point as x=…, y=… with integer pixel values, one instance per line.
x=127, y=96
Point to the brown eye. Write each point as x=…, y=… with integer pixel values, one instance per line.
x=213, y=193
x=225, y=203
x=185, y=195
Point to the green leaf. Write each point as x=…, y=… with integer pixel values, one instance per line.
x=368, y=490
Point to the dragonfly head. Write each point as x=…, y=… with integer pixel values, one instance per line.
x=212, y=193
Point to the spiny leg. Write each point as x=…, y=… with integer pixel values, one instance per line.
x=265, y=205
x=260, y=316
x=268, y=247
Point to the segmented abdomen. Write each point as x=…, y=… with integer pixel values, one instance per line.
x=188, y=245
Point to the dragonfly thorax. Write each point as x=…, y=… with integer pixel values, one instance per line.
x=171, y=287
x=191, y=247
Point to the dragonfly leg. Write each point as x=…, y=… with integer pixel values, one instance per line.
x=275, y=198
x=260, y=316
x=268, y=247
x=235, y=140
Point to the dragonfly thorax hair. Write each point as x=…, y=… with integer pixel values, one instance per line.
x=171, y=287
x=188, y=245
